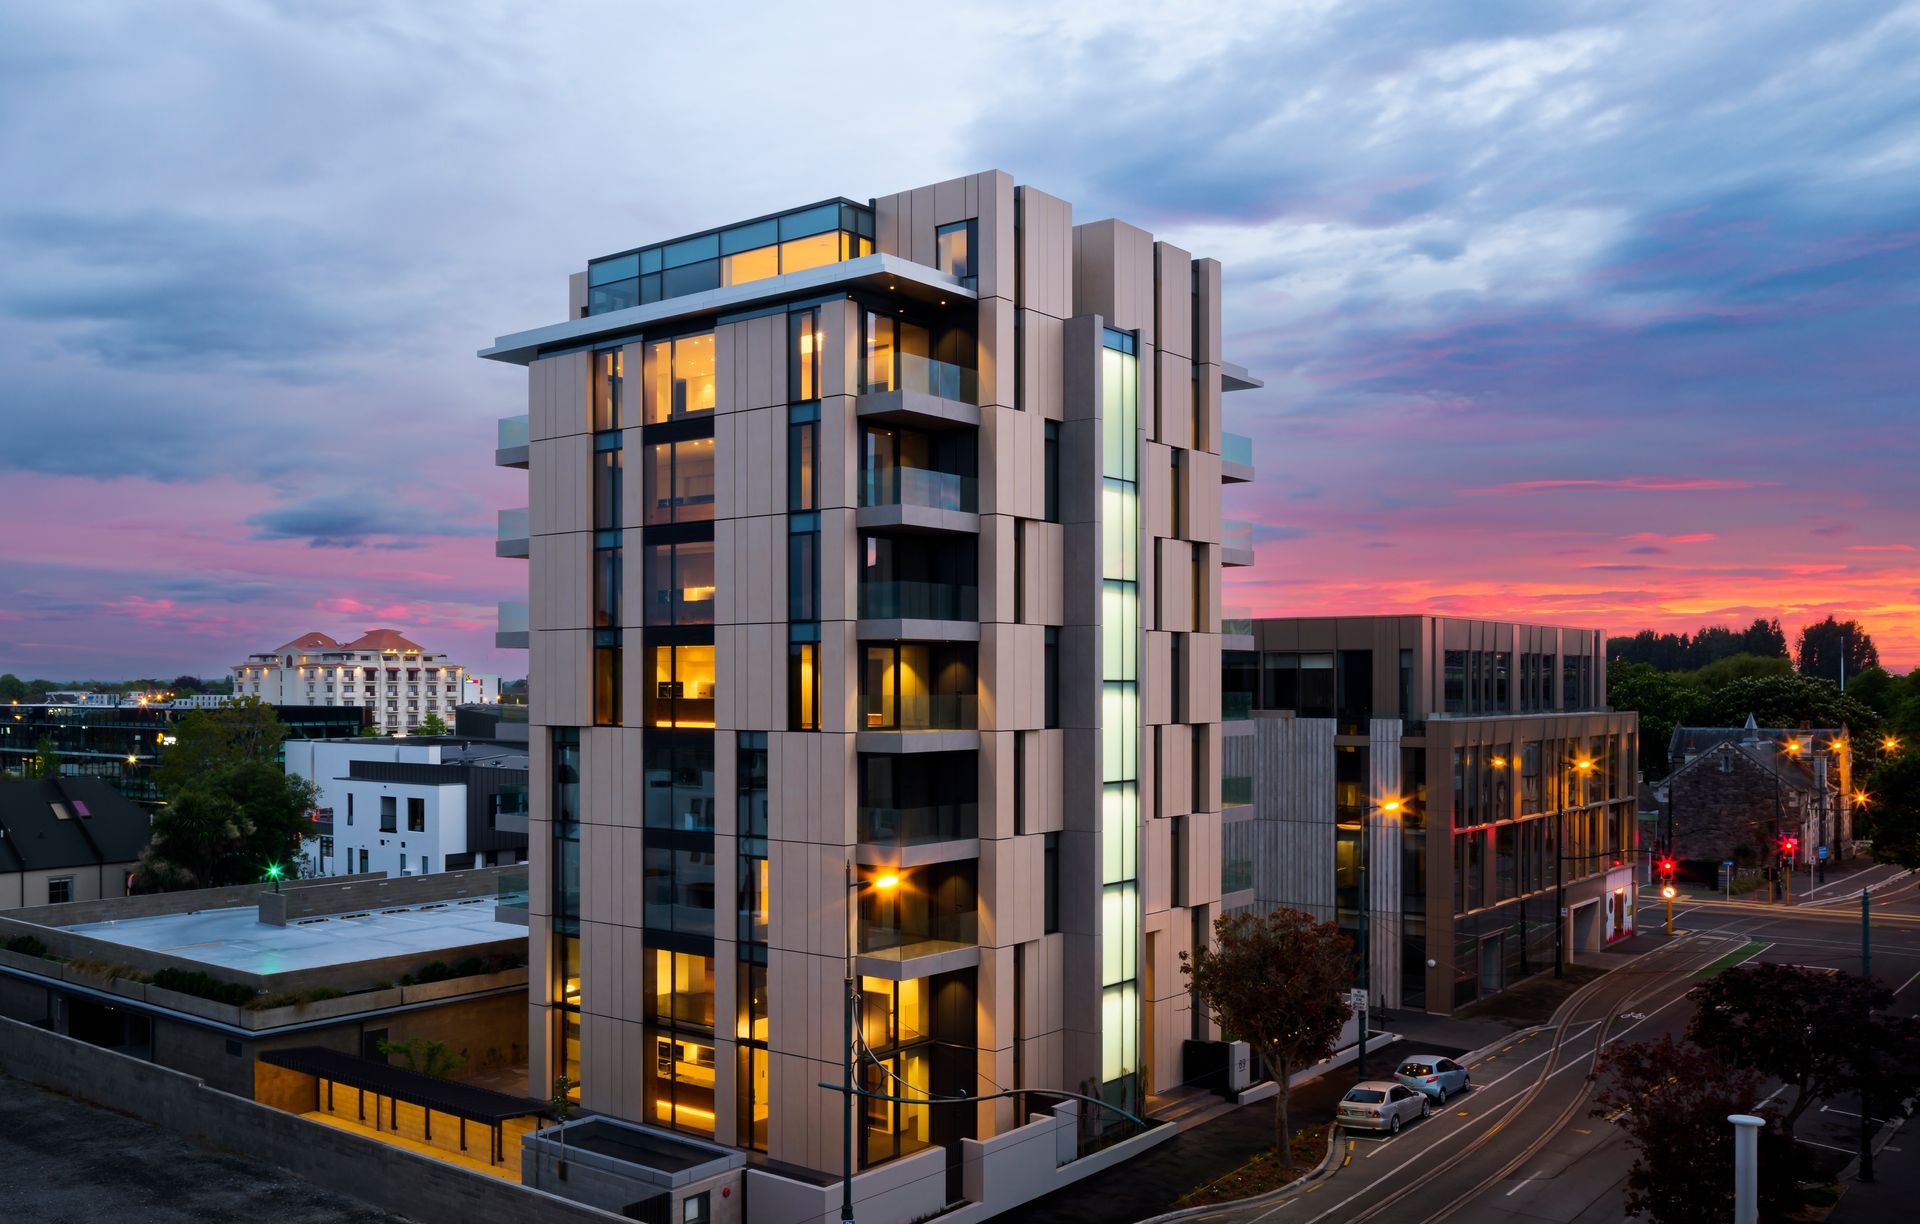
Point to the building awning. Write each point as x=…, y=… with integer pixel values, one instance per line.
x=475, y=1104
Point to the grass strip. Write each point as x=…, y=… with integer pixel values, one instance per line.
x=1745, y=952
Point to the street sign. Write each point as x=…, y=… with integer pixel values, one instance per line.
x=1823, y=854
x=1357, y=999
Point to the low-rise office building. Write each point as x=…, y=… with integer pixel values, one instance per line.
x=67, y=839
x=412, y=807
x=396, y=681
x=1448, y=784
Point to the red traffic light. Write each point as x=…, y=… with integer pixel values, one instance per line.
x=1667, y=866
x=1788, y=845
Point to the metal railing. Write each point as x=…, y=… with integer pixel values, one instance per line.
x=925, y=375
x=911, y=486
x=512, y=432
x=918, y=825
x=1236, y=448
x=919, y=601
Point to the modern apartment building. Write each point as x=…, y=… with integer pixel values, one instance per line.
x=1451, y=784
x=413, y=806
x=396, y=681
x=904, y=635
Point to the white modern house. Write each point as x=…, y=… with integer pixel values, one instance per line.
x=396, y=680
x=412, y=808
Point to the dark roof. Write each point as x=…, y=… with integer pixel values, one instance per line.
x=1791, y=771
x=102, y=825
x=1687, y=741
x=414, y=1087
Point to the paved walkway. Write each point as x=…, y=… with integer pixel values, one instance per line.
x=1896, y=1187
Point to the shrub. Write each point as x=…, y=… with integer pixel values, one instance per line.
x=204, y=986
x=291, y=998
x=25, y=945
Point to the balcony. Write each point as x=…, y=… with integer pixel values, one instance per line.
x=918, y=499
x=1236, y=542
x=914, y=836
x=510, y=446
x=925, y=924
x=1236, y=458
x=1236, y=707
x=511, y=633
x=899, y=601
x=920, y=391
x=1237, y=623
x=511, y=538
x=1236, y=790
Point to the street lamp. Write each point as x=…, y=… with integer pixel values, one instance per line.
x=1583, y=765
x=885, y=882
x=1389, y=807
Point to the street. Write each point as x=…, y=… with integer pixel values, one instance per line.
x=1523, y=1146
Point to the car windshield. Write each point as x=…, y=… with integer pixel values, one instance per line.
x=1367, y=1096
x=1417, y=1069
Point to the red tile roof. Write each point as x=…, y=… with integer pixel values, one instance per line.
x=311, y=641
x=381, y=639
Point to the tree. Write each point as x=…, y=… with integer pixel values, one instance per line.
x=1722, y=672
x=195, y=839
x=207, y=741
x=187, y=684
x=1279, y=984
x=1890, y=816
x=12, y=688
x=1816, y=1032
x=1788, y=701
x=432, y=724
x=1824, y=644
x=429, y=1057
x=1665, y=701
x=1672, y=1100
x=1764, y=639
x=45, y=761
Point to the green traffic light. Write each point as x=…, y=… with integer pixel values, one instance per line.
x=273, y=871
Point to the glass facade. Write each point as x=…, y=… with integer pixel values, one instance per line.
x=790, y=242
x=1120, y=645
x=564, y=745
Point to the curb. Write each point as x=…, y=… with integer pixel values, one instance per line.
x=1888, y=1129
x=1319, y=1172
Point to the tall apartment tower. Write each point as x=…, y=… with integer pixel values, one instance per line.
x=908, y=603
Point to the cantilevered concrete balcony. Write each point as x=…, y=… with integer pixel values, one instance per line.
x=511, y=537
x=1236, y=542
x=510, y=445
x=918, y=500
x=1236, y=458
x=511, y=634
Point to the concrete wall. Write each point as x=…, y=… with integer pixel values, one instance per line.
x=390, y=1178
x=377, y=891
x=89, y=882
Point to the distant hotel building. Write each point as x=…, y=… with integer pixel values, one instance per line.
x=1472, y=766
x=396, y=681
x=909, y=606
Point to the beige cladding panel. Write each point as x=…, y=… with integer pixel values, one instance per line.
x=1042, y=368
x=1206, y=308
x=1202, y=664
x=1206, y=408
x=1173, y=282
x=563, y=659
x=992, y=196
x=839, y=441
x=1114, y=277
x=751, y=472
x=1046, y=566
x=996, y=568
x=1156, y=857
x=995, y=352
x=577, y=295
x=1157, y=699
x=1156, y=489
x=560, y=581
x=1174, y=769
x=1174, y=607
x=1047, y=256
x=1173, y=399
x=840, y=565
x=559, y=484
x=1207, y=757
x=557, y=396
x=1012, y=463
x=1201, y=490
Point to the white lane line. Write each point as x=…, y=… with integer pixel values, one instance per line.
x=1828, y=1146
x=1910, y=981
x=1522, y=1185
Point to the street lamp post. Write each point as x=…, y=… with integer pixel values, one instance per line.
x=1583, y=765
x=1389, y=807
x=849, y=1047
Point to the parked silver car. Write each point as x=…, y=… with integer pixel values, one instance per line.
x=1439, y=1078
x=1380, y=1105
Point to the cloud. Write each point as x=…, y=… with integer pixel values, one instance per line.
x=352, y=522
x=1879, y=548
x=1626, y=484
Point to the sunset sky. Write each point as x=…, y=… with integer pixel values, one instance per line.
x=1603, y=314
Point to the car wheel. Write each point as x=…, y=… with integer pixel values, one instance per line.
x=1393, y=1126
x=1425, y=1108
x=1443, y=1094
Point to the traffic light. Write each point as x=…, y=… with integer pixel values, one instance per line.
x=1789, y=846
x=1666, y=867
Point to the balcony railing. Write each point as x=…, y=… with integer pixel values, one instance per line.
x=510, y=539
x=511, y=633
x=1236, y=622
x=1235, y=791
x=1236, y=535
x=922, y=712
x=952, y=928
x=1236, y=875
x=910, y=486
x=919, y=601
x=1235, y=707
x=919, y=825
x=926, y=376
x=1236, y=448
x=512, y=432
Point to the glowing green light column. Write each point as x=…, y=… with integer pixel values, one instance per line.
x=1120, y=719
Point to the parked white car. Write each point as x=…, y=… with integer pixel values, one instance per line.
x=1381, y=1105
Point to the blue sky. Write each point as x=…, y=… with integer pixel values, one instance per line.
x=1594, y=313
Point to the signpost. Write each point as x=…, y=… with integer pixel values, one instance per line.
x=1726, y=878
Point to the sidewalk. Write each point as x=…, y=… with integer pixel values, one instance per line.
x=1895, y=1190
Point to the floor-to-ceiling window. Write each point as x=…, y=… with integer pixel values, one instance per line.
x=1120, y=720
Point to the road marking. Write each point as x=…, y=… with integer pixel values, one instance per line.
x=1910, y=981
x=1579, y=1130
x=1848, y=1114
x=1522, y=1185
x=1828, y=1146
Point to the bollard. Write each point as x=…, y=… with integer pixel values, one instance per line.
x=1746, y=1167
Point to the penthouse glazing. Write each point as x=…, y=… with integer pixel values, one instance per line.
x=926, y=600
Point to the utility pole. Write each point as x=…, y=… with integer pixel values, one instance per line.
x=1866, y=1081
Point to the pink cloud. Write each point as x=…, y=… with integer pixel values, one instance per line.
x=1629, y=484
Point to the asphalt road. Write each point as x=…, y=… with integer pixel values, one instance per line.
x=1523, y=1148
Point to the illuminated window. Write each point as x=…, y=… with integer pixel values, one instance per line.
x=803, y=686
x=953, y=251
x=680, y=1073
x=679, y=581
x=609, y=375
x=805, y=341
x=680, y=692
x=680, y=481
x=606, y=678
x=679, y=377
